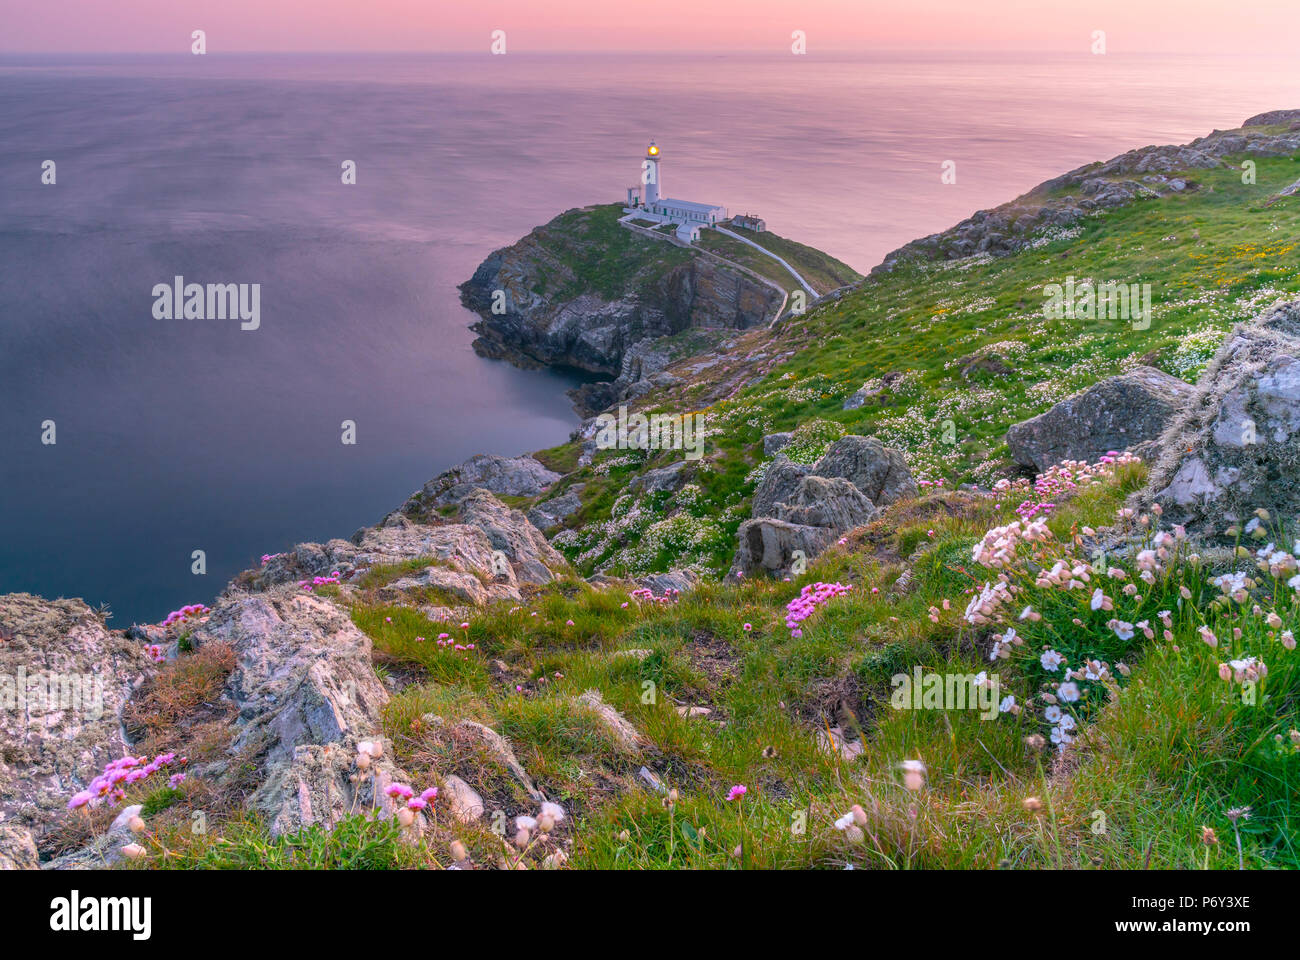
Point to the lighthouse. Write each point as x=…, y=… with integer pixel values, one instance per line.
x=650, y=174
x=688, y=215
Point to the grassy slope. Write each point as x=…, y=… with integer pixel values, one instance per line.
x=823, y=271
x=1213, y=258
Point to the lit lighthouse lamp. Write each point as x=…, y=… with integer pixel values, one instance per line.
x=689, y=216
x=650, y=175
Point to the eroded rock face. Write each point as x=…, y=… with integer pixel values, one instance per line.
x=552, y=317
x=1117, y=414
x=878, y=471
x=64, y=679
x=307, y=695
x=831, y=502
x=511, y=476
x=767, y=545
x=485, y=525
x=1236, y=446
x=801, y=508
x=532, y=558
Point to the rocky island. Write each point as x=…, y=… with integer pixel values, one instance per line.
x=621, y=658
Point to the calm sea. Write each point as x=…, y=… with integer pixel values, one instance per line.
x=183, y=435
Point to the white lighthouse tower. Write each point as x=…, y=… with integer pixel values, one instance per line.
x=688, y=215
x=650, y=174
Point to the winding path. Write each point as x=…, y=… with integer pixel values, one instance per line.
x=793, y=272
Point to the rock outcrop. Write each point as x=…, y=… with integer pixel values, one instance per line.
x=484, y=526
x=1119, y=413
x=512, y=476
x=307, y=695
x=1236, y=446
x=767, y=545
x=551, y=513
x=800, y=509
x=1143, y=174
x=64, y=680
x=581, y=291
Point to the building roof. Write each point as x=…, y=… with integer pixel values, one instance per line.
x=688, y=205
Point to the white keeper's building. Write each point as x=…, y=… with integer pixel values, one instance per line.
x=689, y=215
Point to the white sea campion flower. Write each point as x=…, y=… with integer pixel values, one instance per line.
x=1288, y=639
x=1050, y=660
x=1069, y=692
x=1052, y=714
x=1008, y=705
x=1098, y=597
x=1123, y=630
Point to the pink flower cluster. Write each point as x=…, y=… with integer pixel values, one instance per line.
x=1059, y=481
x=646, y=595
x=193, y=610
x=155, y=652
x=118, y=774
x=268, y=557
x=400, y=791
x=810, y=598
x=445, y=640
x=319, y=581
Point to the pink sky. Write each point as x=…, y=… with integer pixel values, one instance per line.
x=1204, y=27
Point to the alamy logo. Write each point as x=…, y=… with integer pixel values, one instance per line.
x=1089, y=300
x=658, y=431
x=946, y=691
x=179, y=300
x=39, y=697
x=74, y=913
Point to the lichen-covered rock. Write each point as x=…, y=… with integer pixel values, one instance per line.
x=1117, y=414
x=551, y=513
x=660, y=479
x=64, y=679
x=774, y=443
x=485, y=526
x=17, y=848
x=879, y=472
x=532, y=558
x=1236, y=446
x=803, y=508
x=511, y=476
x=831, y=502
x=768, y=545
x=307, y=694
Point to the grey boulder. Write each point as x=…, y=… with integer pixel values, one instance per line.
x=1117, y=414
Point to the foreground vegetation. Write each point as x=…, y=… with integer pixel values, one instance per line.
x=1167, y=764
